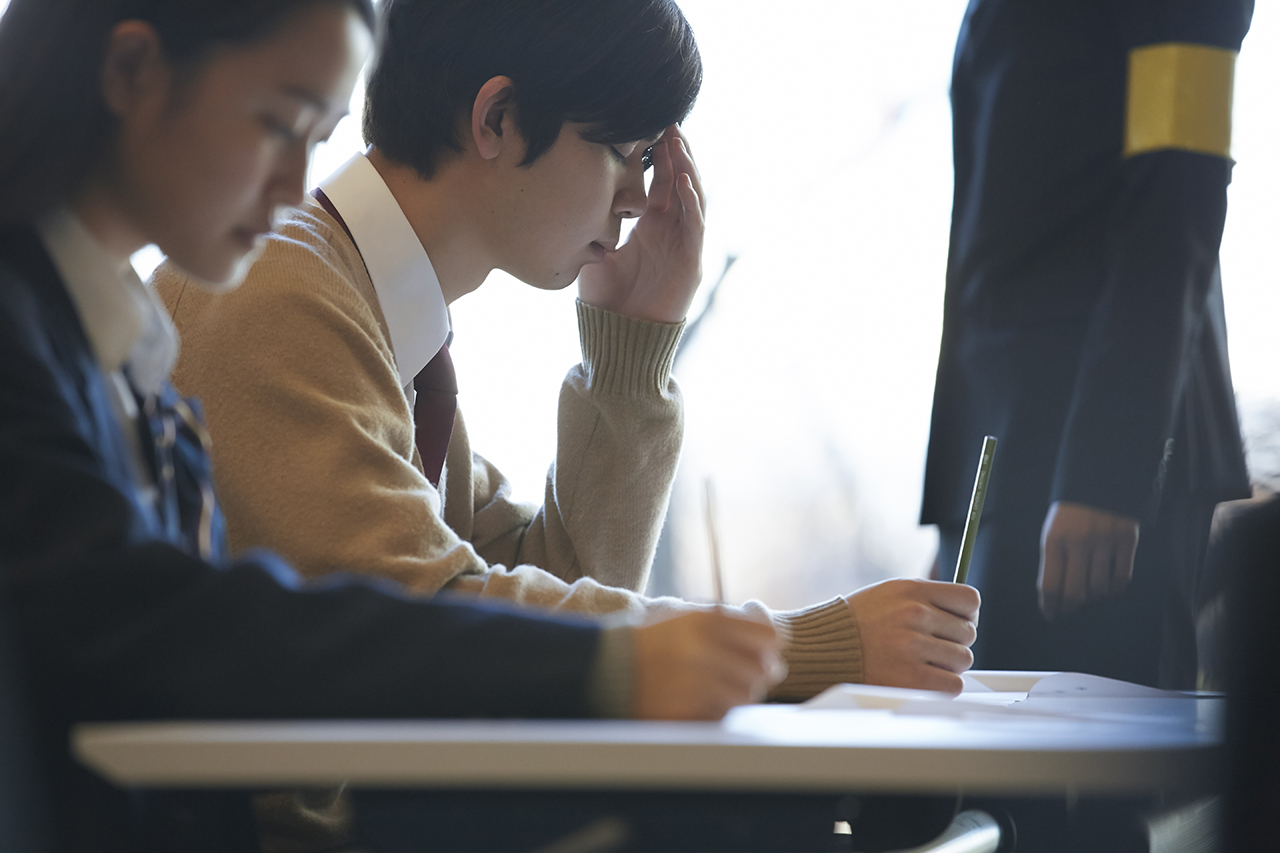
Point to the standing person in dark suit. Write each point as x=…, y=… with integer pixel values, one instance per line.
x=1084, y=327
x=186, y=123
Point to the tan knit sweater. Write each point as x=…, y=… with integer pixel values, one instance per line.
x=314, y=452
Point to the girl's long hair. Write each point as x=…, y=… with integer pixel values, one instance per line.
x=55, y=128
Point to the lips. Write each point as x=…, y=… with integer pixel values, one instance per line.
x=600, y=248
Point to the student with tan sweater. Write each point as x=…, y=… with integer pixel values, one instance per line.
x=501, y=137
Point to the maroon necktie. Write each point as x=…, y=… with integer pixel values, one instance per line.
x=435, y=388
x=434, y=403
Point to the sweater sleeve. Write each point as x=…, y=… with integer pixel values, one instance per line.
x=821, y=643
x=620, y=428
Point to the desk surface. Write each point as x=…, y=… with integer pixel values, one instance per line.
x=756, y=748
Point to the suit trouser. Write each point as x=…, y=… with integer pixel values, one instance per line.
x=1145, y=635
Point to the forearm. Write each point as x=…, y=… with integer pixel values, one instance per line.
x=535, y=587
x=149, y=633
x=821, y=643
x=114, y=623
x=1134, y=362
x=620, y=429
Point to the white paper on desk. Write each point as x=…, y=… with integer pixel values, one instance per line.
x=898, y=700
x=1043, y=694
x=1078, y=685
x=985, y=687
x=1096, y=698
x=1003, y=680
x=870, y=697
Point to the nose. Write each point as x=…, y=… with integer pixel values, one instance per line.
x=630, y=200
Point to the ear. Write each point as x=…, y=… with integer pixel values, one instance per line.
x=134, y=67
x=493, y=117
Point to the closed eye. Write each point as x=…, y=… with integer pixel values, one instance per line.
x=278, y=128
x=646, y=157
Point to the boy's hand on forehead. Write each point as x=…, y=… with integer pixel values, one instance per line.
x=654, y=274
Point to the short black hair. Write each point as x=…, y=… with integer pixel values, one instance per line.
x=625, y=68
x=56, y=126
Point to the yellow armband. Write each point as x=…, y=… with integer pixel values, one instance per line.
x=1179, y=97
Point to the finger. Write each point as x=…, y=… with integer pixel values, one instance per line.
x=685, y=164
x=952, y=657
x=933, y=678
x=1049, y=581
x=953, y=629
x=1101, y=561
x=1075, y=582
x=736, y=680
x=742, y=639
x=663, y=178
x=675, y=131
x=956, y=598
x=692, y=205
x=744, y=625
x=1122, y=572
x=931, y=620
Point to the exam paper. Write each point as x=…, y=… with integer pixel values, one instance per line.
x=988, y=692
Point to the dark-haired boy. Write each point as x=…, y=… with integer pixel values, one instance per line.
x=504, y=135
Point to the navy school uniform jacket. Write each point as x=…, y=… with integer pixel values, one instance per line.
x=1083, y=322
x=114, y=616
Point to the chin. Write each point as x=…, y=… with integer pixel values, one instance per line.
x=220, y=275
x=563, y=280
x=549, y=281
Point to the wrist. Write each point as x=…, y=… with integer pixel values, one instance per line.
x=623, y=355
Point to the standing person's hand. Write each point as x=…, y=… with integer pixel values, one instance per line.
x=1085, y=553
x=654, y=275
x=916, y=633
x=699, y=665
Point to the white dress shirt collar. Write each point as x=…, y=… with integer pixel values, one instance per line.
x=403, y=278
x=125, y=321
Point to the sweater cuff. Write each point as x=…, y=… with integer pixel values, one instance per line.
x=609, y=690
x=823, y=648
x=622, y=355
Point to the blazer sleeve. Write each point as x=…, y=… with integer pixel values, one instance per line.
x=1164, y=234
x=113, y=622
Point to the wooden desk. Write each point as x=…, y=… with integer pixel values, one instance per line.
x=1171, y=750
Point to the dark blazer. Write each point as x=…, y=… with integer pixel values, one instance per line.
x=1083, y=323
x=24, y=801
x=115, y=617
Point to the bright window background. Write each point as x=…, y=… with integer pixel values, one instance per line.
x=823, y=136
